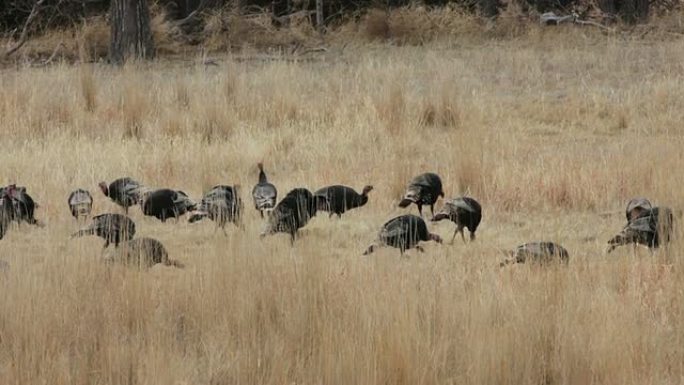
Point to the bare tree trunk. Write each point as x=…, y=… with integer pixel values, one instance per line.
x=319, y=16
x=488, y=8
x=634, y=11
x=280, y=10
x=608, y=6
x=642, y=9
x=131, y=34
x=628, y=11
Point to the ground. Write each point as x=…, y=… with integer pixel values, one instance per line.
x=553, y=134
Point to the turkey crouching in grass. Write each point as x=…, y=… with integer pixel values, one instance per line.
x=652, y=228
x=403, y=232
x=125, y=192
x=339, y=199
x=166, y=203
x=142, y=253
x=292, y=213
x=80, y=203
x=636, y=207
x=264, y=193
x=221, y=204
x=424, y=189
x=6, y=209
x=113, y=228
x=23, y=206
x=537, y=252
x=464, y=212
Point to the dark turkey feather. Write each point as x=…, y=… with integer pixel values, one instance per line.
x=264, y=193
x=465, y=212
x=340, y=199
x=113, y=228
x=538, y=252
x=221, y=204
x=403, y=232
x=166, y=203
x=292, y=213
x=424, y=189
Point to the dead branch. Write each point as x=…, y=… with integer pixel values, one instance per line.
x=294, y=15
x=550, y=18
x=24, y=31
x=309, y=50
x=192, y=14
x=54, y=53
x=593, y=23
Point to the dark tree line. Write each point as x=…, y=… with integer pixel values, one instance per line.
x=58, y=13
x=131, y=34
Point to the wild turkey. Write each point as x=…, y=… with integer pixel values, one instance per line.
x=636, y=207
x=539, y=252
x=403, y=232
x=80, y=203
x=264, y=193
x=125, y=192
x=23, y=206
x=464, y=212
x=424, y=189
x=143, y=253
x=652, y=228
x=221, y=204
x=113, y=228
x=6, y=210
x=166, y=203
x=339, y=199
x=292, y=213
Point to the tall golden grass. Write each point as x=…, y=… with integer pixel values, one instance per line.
x=550, y=132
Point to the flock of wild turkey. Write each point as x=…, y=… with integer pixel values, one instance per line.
x=646, y=225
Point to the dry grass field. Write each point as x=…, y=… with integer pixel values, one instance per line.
x=552, y=132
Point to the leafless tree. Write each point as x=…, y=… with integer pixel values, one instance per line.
x=131, y=33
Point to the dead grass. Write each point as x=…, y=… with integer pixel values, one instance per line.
x=548, y=135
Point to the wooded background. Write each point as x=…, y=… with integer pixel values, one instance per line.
x=59, y=13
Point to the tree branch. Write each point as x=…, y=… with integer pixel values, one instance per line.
x=54, y=54
x=192, y=14
x=550, y=18
x=24, y=31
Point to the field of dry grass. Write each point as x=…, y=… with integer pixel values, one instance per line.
x=553, y=133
